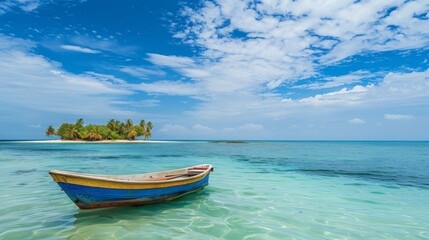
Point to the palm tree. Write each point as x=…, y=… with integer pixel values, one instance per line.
x=111, y=124
x=79, y=126
x=147, y=133
x=121, y=129
x=79, y=123
x=129, y=124
x=149, y=126
x=132, y=134
x=50, y=131
x=143, y=124
x=71, y=132
x=94, y=133
x=128, y=128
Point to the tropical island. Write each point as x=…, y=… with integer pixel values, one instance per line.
x=113, y=130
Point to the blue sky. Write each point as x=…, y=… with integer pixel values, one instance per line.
x=227, y=69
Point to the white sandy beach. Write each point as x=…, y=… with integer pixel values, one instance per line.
x=102, y=141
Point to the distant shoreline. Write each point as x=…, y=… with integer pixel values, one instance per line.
x=204, y=141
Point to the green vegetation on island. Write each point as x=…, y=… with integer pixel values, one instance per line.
x=113, y=130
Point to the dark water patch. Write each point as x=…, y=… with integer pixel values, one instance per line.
x=330, y=172
x=229, y=142
x=129, y=156
x=391, y=186
x=51, y=149
x=381, y=176
x=94, y=157
x=107, y=157
x=104, y=157
x=261, y=160
x=169, y=155
x=356, y=184
x=362, y=201
x=262, y=171
x=54, y=149
x=19, y=172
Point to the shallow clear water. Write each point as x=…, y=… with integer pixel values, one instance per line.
x=261, y=190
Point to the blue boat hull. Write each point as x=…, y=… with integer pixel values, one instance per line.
x=86, y=197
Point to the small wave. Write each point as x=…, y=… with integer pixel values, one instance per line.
x=19, y=172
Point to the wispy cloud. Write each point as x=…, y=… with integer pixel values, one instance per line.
x=144, y=103
x=356, y=121
x=330, y=82
x=170, y=61
x=141, y=72
x=395, y=88
x=249, y=51
x=319, y=35
x=107, y=45
x=202, y=128
x=79, y=49
x=169, y=87
x=24, y=5
x=251, y=126
x=398, y=116
x=42, y=85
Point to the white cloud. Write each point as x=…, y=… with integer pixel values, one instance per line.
x=199, y=127
x=356, y=121
x=150, y=103
x=144, y=103
x=398, y=116
x=248, y=51
x=283, y=37
x=345, y=96
x=108, y=45
x=170, y=61
x=141, y=72
x=168, y=87
x=330, y=82
x=251, y=126
x=29, y=5
x=394, y=89
x=79, y=49
x=32, y=83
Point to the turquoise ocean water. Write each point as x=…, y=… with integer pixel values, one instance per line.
x=261, y=190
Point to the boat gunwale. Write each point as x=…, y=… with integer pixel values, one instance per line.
x=105, y=178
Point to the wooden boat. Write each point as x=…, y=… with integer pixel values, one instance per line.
x=89, y=191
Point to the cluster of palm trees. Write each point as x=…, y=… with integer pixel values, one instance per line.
x=113, y=130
